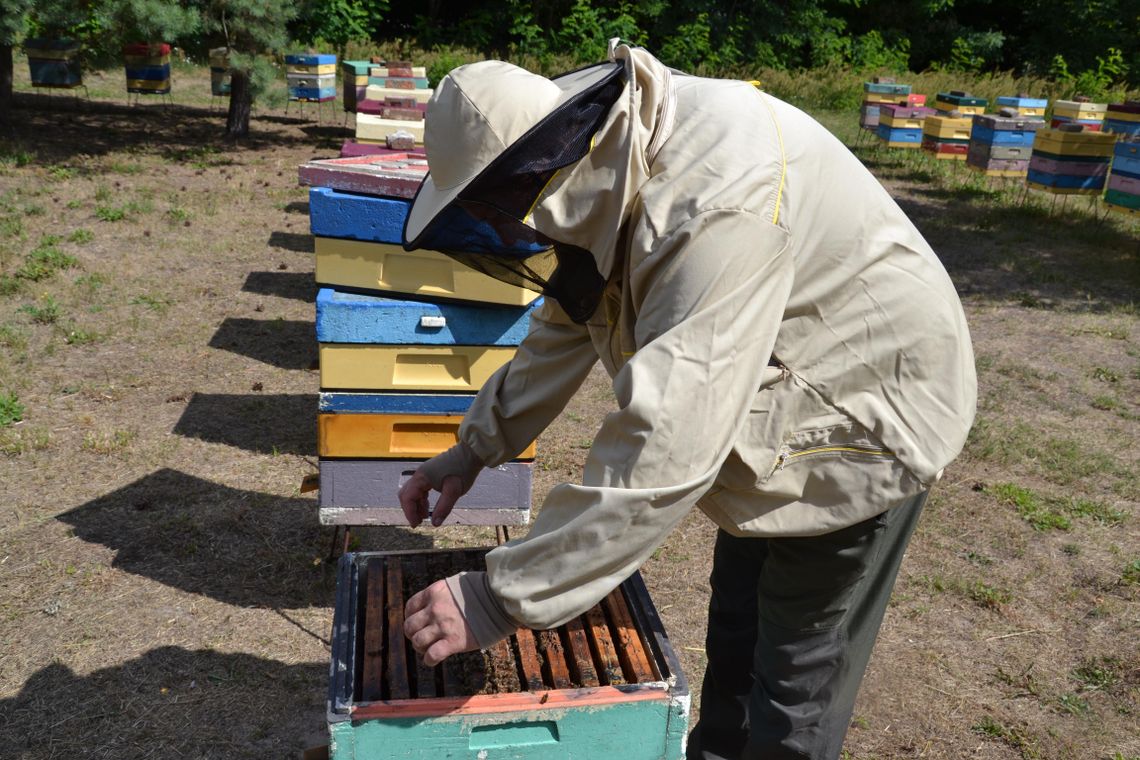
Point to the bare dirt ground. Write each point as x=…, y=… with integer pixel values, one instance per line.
x=164, y=589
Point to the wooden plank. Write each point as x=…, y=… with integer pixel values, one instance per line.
x=554, y=667
x=344, y=317
x=417, y=581
x=396, y=665
x=598, y=632
x=390, y=436
x=373, y=680
x=359, y=366
x=528, y=660
x=440, y=567
x=578, y=655
x=634, y=660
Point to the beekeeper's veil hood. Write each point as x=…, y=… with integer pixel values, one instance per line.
x=532, y=178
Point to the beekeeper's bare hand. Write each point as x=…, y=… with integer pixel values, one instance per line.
x=435, y=626
x=452, y=473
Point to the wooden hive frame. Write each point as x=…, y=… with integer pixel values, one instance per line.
x=616, y=654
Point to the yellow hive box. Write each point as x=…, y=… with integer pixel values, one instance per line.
x=900, y=122
x=1071, y=109
x=375, y=129
x=945, y=105
x=357, y=81
x=390, y=436
x=362, y=366
x=376, y=92
x=896, y=144
x=1028, y=111
x=318, y=70
x=879, y=97
x=1066, y=190
x=947, y=127
x=1122, y=115
x=384, y=267
x=1085, y=143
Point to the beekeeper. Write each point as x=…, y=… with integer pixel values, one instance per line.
x=787, y=353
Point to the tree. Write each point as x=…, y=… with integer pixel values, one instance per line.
x=249, y=28
x=339, y=22
x=13, y=26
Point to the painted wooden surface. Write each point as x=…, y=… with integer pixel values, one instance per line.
x=997, y=123
x=400, y=83
x=1126, y=128
x=353, y=318
x=356, y=217
x=309, y=59
x=394, y=403
x=386, y=436
x=875, y=98
x=1012, y=137
x=377, y=93
x=1078, y=110
x=982, y=152
x=322, y=82
x=409, y=368
x=996, y=172
x=895, y=122
x=383, y=71
x=390, y=436
x=148, y=87
x=905, y=111
x=1045, y=165
x=1128, y=167
x=385, y=268
x=962, y=99
x=1074, y=143
x=394, y=176
x=1125, y=184
x=1019, y=102
x=350, y=148
x=1120, y=198
x=1090, y=125
x=950, y=151
x=947, y=127
x=909, y=138
x=888, y=88
x=377, y=129
x=1088, y=183
x=363, y=492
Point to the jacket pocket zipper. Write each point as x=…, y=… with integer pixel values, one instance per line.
x=788, y=455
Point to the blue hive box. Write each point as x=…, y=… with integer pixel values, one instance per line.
x=301, y=59
x=356, y=217
x=351, y=318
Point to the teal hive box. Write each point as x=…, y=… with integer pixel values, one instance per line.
x=604, y=685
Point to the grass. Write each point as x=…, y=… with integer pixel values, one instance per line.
x=47, y=312
x=1050, y=513
x=992, y=728
x=157, y=304
x=11, y=410
x=106, y=443
x=45, y=260
x=81, y=236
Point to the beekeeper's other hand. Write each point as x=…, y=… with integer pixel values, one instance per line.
x=452, y=473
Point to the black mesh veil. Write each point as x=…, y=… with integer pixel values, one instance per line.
x=483, y=227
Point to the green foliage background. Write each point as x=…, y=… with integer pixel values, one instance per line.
x=1092, y=47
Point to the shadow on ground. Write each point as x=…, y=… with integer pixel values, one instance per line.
x=268, y=423
x=284, y=343
x=292, y=241
x=295, y=285
x=241, y=547
x=170, y=702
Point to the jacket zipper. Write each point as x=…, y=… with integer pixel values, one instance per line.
x=869, y=451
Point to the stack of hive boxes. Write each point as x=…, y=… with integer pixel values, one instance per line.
x=220, y=71
x=311, y=77
x=1123, y=193
x=148, y=68
x=394, y=103
x=1023, y=105
x=946, y=133
x=354, y=80
x=1002, y=144
x=54, y=63
x=900, y=126
x=406, y=340
x=875, y=93
x=1080, y=111
x=1070, y=160
x=1123, y=118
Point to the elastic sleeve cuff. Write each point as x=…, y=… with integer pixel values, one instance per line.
x=479, y=607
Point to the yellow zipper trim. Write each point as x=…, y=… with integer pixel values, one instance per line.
x=783, y=159
x=542, y=192
x=863, y=450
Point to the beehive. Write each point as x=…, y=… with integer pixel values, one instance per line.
x=901, y=126
x=1001, y=144
x=354, y=81
x=1086, y=114
x=1024, y=106
x=394, y=174
x=604, y=685
x=962, y=102
x=220, y=71
x=54, y=63
x=1123, y=118
x=311, y=77
x=1123, y=191
x=1070, y=160
x=147, y=68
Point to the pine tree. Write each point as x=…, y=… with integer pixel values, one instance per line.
x=13, y=26
x=250, y=28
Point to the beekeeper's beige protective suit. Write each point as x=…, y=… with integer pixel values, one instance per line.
x=787, y=352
